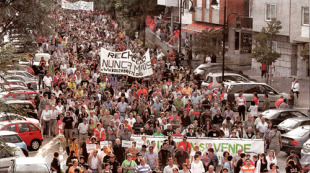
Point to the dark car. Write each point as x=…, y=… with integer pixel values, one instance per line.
x=294, y=139
x=276, y=116
x=292, y=123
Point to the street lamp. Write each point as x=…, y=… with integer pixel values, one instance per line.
x=238, y=28
x=191, y=9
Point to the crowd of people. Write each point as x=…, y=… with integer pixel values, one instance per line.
x=88, y=107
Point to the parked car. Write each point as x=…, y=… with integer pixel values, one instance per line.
x=27, y=106
x=8, y=152
x=16, y=82
x=276, y=116
x=14, y=138
x=29, y=132
x=19, y=95
x=29, y=164
x=305, y=156
x=21, y=73
x=291, y=123
x=21, y=68
x=12, y=116
x=248, y=88
x=30, y=82
x=294, y=139
x=214, y=80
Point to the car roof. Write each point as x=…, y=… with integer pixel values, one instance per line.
x=298, y=119
x=243, y=82
x=17, y=101
x=225, y=74
x=282, y=110
x=14, y=80
x=29, y=160
x=14, y=122
x=5, y=132
x=20, y=91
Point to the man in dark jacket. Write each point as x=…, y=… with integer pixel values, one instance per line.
x=119, y=151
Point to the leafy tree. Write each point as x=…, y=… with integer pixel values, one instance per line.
x=135, y=11
x=208, y=42
x=26, y=17
x=263, y=51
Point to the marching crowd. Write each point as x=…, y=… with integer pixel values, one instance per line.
x=87, y=107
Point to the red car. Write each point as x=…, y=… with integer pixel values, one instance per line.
x=20, y=95
x=29, y=132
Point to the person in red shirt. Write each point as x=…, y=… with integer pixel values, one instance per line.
x=187, y=146
x=128, y=126
x=264, y=70
x=248, y=156
x=279, y=101
x=255, y=98
x=100, y=133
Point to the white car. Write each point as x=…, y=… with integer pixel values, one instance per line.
x=12, y=116
x=204, y=67
x=8, y=152
x=29, y=164
x=214, y=80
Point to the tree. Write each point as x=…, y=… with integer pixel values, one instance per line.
x=135, y=12
x=208, y=42
x=26, y=17
x=263, y=51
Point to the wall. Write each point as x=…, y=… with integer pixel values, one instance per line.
x=298, y=32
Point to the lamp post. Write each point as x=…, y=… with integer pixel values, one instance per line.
x=225, y=28
x=182, y=6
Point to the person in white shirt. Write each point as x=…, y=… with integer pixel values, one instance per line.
x=57, y=91
x=197, y=165
x=48, y=81
x=46, y=120
x=296, y=88
x=83, y=131
x=169, y=168
x=262, y=126
x=131, y=120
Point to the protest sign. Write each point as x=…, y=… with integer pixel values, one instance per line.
x=90, y=147
x=252, y=146
x=125, y=63
x=78, y=5
x=139, y=143
x=127, y=144
x=104, y=144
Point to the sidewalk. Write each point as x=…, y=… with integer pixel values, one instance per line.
x=282, y=84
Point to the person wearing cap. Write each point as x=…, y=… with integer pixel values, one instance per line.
x=129, y=165
x=113, y=163
x=275, y=140
x=108, y=153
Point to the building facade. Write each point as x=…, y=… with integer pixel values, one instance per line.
x=293, y=37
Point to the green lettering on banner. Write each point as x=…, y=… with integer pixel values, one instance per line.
x=201, y=146
x=218, y=148
x=241, y=147
x=232, y=148
x=247, y=147
x=224, y=147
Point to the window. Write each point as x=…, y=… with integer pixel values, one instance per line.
x=305, y=15
x=236, y=88
x=250, y=89
x=32, y=96
x=23, y=128
x=21, y=97
x=199, y=3
x=12, y=138
x=34, y=128
x=11, y=128
x=270, y=12
x=251, y=8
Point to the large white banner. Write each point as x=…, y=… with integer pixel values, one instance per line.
x=79, y=5
x=252, y=146
x=125, y=63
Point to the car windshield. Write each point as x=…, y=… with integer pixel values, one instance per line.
x=289, y=123
x=32, y=168
x=11, y=138
x=270, y=113
x=299, y=132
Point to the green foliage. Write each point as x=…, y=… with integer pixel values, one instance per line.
x=26, y=17
x=208, y=42
x=263, y=51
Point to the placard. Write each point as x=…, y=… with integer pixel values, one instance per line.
x=90, y=147
x=127, y=144
x=139, y=143
x=104, y=144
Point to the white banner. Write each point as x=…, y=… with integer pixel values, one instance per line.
x=127, y=144
x=125, y=63
x=252, y=146
x=79, y=5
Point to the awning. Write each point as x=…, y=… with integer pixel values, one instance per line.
x=199, y=27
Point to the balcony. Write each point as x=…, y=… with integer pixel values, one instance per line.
x=168, y=3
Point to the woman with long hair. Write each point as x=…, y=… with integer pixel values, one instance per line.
x=197, y=165
x=172, y=145
x=225, y=157
x=271, y=158
x=92, y=127
x=241, y=103
x=261, y=163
